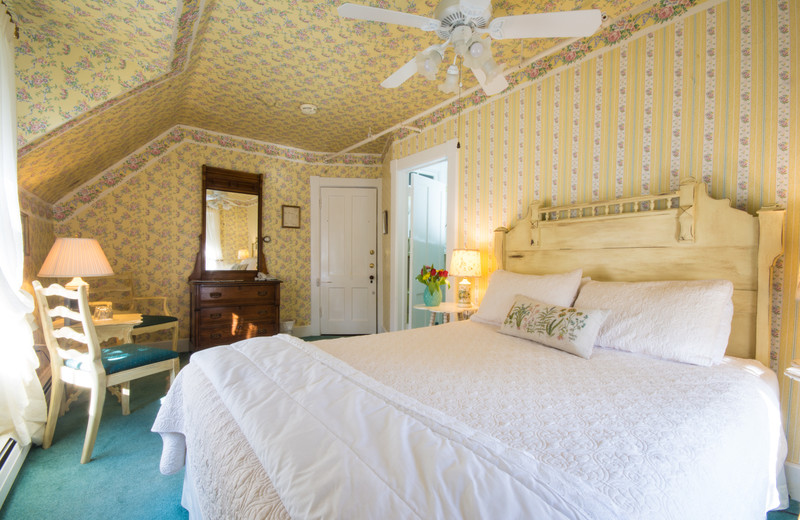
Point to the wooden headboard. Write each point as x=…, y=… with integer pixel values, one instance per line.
x=685, y=235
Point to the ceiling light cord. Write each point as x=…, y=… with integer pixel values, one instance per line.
x=458, y=119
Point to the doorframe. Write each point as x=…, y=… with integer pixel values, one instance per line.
x=317, y=183
x=399, y=169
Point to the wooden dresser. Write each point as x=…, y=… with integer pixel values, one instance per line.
x=225, y=311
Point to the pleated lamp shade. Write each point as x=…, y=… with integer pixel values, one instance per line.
x=75, y=257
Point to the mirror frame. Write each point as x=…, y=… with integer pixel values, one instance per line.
x=238, y=182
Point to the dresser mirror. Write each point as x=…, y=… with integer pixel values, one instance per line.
x=231, y=226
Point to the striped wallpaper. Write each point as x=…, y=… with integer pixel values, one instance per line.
x=713, y=96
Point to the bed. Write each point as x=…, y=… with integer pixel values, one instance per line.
x=475, y=419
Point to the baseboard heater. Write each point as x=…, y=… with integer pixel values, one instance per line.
x=12, y=455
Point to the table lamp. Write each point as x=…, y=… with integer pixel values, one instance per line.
x=465, y=263
x=75, y=257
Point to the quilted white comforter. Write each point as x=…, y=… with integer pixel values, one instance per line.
x=616, y=436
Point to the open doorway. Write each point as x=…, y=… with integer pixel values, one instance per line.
x=427, y=233
x=438, y=164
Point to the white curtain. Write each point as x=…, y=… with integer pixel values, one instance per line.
x=22, y=405
x=213, y=239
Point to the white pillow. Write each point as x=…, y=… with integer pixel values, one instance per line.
x=555, y=289
x=687, y=321
x=565, y=328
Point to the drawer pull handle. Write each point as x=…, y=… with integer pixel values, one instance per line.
x=263, y=293
x=215, y=316
x=263, y=311
x=215, y=295
x=216, y=335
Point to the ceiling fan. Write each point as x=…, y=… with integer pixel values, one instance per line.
x=465, y=24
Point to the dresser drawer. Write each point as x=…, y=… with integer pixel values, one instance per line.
x=209, y=337
x=216, y=316
x=224, y=312
x=236, y=294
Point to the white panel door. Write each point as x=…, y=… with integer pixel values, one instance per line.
x=349, y=261
x=428, y=244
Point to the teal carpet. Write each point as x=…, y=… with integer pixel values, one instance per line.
x=122, y=480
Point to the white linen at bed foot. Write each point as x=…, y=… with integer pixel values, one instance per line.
x=223, y=478
x=173, y=454
x=401, y=460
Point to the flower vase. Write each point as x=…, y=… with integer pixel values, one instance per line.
x=432, y=299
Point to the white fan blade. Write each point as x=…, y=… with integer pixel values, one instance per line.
x=497, y=85
x=401, y=75
x=546, y=25
x=376, y=14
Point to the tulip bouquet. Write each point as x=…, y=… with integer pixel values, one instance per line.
x=433, y=278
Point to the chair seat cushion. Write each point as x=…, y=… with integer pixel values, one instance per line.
x=124, y=357
x=150, y=320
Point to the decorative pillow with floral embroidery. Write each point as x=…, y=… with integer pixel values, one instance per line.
x=565, y=328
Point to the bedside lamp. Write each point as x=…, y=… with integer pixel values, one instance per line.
x=75, y=257
x=465, y=263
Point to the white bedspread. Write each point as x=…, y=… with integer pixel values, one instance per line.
x=661, y=439
x=630, y=436
x=348, y=447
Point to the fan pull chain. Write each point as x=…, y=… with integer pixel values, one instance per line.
x=458, y=129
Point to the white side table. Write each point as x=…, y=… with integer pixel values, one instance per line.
x=120, y=326
x=447, y=308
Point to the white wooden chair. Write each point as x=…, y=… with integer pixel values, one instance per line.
x=95, y=368
x=118, y=291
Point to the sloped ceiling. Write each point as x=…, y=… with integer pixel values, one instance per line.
x=98, y=79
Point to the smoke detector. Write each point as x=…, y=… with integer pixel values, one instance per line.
x=308, y=109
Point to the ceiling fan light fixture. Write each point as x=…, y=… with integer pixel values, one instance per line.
x=462, y=23
x=428, y=63
x=476, y=49
x=450, y=85
x=479, y=51
x=460, y=36
x=491, y=69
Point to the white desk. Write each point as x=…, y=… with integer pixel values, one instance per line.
x=120, y=327
x=447, y=308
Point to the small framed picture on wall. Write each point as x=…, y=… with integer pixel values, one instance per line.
x=290, y=216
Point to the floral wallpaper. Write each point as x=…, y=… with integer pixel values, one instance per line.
x=233, y=233
x=38, y=233
x=117, y=174
x=74, y=55
x=148, y=221
x=238, y=67
x=69, y=159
